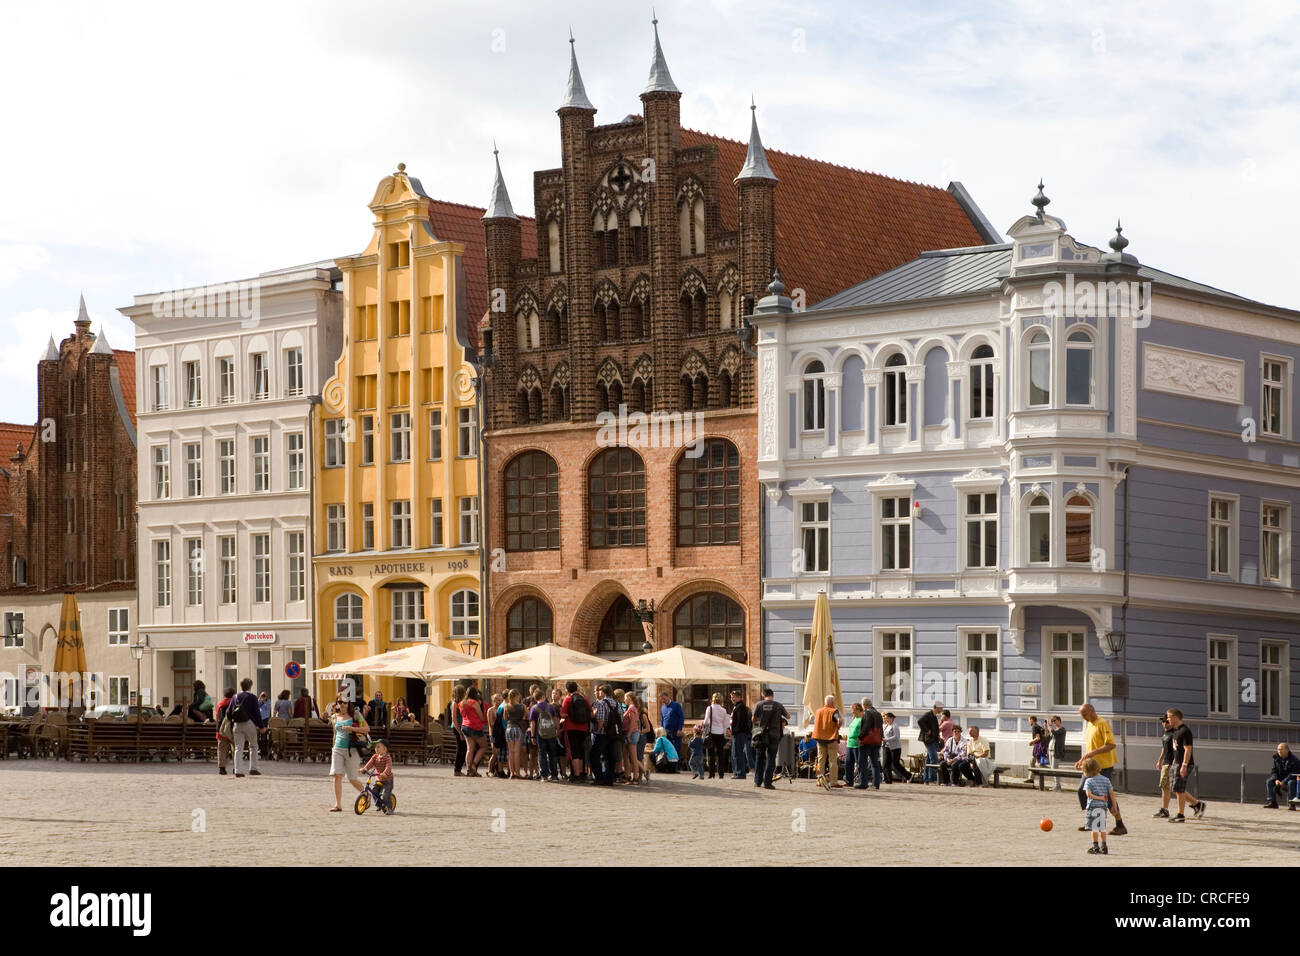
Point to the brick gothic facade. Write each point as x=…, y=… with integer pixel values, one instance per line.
x=652, y=243
x=71, y=485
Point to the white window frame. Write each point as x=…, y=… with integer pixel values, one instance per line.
x=297, y=460
x=981, y=369
x=159, y=390
x=1050, y=655
x=293, y=371
x=193, y=572
x=367, y=440
x=1229, y=664
x=984, y=520
x=193, y=384
x=1029, y=509
x=435, y=434
x=1233, y=525
x=1091, y=349
x=399, y=524
x=162, y=572
x=816, y=382
x=1283, y=387
x=464, y=625
x=1067, y=509
x=1283, y=532
x=260, y=452
x=261, y=568
x=437, y=529
x=229, y=550
x=193, y=451
x=226, y=380
x=1283, y=670
x=119, y=626
x=399, y=437
x=335, y=432
x=894, y=382
x=898, y=523
x=367, y=526
x=162, y=472
x=467, y=508
x=259, y=385
x=336, y=528
x=295, y=546
x=466, y=432
x=1028, y=350
x=408, y=621
x=965, y=657
x=226, y=465
x=351, y=625
x=819, y=527
x=879, y=635
x=118, y=691
x=21, y=639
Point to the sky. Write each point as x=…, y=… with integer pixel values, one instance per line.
x=153, y=146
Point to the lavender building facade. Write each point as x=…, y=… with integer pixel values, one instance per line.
x=1034, y=474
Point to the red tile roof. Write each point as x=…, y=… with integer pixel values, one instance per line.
x=837, y=226
x=126, y=375
x=10, y=437
x=464, y=224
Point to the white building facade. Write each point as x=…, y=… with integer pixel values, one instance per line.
x=227, y=375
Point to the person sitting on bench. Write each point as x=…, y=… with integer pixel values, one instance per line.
x=952, y=759
x=1285, y=767
x=977, y=750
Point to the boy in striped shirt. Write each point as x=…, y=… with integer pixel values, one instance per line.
x=1098, y=790
x=382, y=764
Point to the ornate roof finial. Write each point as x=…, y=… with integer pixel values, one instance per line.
x=575, y=95
x=661, y=81
x=776, y=286
x=401, y=168
x=756, y=166
x=1118, y=242
x=1040, y=201
x=499, y=207
x=51, y=352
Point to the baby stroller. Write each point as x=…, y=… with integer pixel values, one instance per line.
x=374, y=793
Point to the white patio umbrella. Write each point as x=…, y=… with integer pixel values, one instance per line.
x=681, y=667
x=419, y=661
x=544, y=662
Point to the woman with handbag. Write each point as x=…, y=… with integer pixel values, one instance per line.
x=716, y=723
x=347, y=724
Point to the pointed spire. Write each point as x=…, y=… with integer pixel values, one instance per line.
x=1040, y=201
x=1118, y=242
x=83, y=317
x=51, y=352
x=499, y=207
x=101, y=343
x=756, y=166
x=575, y=96
x=661, y=81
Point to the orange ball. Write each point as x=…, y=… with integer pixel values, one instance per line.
x=1044, y=824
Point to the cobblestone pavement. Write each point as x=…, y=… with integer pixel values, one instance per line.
x=57, y=812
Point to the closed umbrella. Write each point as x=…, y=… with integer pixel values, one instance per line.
x=823, y=670
x=70, y=652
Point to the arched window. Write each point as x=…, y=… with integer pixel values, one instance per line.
x=1040, y=369
x=895, y=390
x=348, y=624
x=639, y=328
x=553, y=244
x=981, y=382
x=616, y=499
x=726, y=394
x=557, y=326
x=532, y=502
x=690, y=225
x=620, y=630
x=527, y=330
x=814, y=396
x=605, y=239
x=530, y=406
x=1078, y=530
x=708, y=495
x=559, y=403
x=711, y=622
x=464, y=615
x=1078, y=368
x=637, y=404
x=640, y=245
x=1039, y=540
x=615, y=396
x=725, y=317
x=529, y=624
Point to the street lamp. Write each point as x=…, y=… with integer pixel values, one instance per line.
x=468, y=646
x=137, y=651
x=1112, y=642
x=482, y=360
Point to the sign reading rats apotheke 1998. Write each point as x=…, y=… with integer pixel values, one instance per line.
x=403, y=567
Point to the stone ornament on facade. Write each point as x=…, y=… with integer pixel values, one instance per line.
x=1195, y=374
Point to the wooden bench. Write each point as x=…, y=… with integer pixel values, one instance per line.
x=100, y=739
x=1042, y=773
x=406, y=742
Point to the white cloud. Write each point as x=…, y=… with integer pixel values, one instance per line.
x=17, y=259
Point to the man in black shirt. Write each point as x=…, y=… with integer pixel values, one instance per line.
x=928, y=726
x=1183, y=765
x=742, y=748
x=770, y=718
x=1165, y=764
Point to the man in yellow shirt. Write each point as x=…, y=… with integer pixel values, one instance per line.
x=1099, y=744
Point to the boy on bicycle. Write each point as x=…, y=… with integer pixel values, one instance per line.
x=381, y=765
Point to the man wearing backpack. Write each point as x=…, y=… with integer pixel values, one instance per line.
x=546, y=731
x=608, y=737
x=575, y=714
x=870, y=734
x=246, y=718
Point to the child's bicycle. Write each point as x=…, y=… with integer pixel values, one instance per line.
x=374, y=793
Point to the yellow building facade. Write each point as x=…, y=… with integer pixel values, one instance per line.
x=397, y=507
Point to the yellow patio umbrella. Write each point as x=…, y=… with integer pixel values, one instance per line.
x=544, y=662
x=681, y=667
x=70, y=651
x=823, y=670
